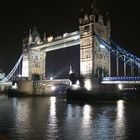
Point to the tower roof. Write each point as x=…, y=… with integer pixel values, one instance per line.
x=35, y=33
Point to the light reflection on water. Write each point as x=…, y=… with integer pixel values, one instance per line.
x=120, y=123
x=52, y=118
x=86, y=115
x=52, y=123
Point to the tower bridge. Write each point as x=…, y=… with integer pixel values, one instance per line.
x=96, y=52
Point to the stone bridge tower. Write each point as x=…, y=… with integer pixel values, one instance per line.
x=33, y=64
x=94, y=57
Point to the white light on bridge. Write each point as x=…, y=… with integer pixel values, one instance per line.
x=65, y=35
x=75, y=87
x=120, y=86
x=15, y=86
x=88, y=85
x=38, y=42
x=102, y=46
x=53, y=88
x=51, y=78
x=50, y=39
x=19, y=76
x=77, y=82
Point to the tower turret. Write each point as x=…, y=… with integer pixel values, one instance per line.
x=81, y=17
x=44, y=38
x=30, y=37
x=36, y=36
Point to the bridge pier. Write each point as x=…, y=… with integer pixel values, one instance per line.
x=25, y=86
x=99, y=88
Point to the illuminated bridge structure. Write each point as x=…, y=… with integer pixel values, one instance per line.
x=97, y=50
x=74, y=39
x=120, y=80
x=60, y=42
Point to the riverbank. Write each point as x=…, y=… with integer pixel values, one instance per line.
x=15, y=93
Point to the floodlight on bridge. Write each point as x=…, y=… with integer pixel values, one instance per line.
x=88, y=85
x=120, y=86
x=65, y=35
x=50, y=39
x=102, y=46
x=53, y=88
x=51, y=78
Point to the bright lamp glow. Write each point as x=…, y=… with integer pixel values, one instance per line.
x=77, y=82
x=120, y=86
x=14, y=86
x=19, y=76
x=53, y=88
x=65, y=35
x=75, y=87
x=88, y=84
x=50, y=38
x=102, y=46
x=51, y=78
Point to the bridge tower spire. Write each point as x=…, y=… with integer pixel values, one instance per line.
x=30, y=37
x=94, y=57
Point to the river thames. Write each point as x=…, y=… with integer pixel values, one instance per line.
x=52, y=118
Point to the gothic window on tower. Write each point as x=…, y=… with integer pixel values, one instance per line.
x=101, y=56
x=86, y=28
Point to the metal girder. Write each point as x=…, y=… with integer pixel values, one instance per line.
x=13, y=70
x=119, y=52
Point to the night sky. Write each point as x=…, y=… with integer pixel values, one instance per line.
x=58, y=17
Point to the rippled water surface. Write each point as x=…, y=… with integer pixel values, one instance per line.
x=51, y=118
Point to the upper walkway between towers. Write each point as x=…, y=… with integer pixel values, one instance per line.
x=63, y=41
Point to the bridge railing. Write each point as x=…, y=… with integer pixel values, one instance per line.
x=121, y=79
x=56, y=81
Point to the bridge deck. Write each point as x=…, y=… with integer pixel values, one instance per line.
x=71, y=39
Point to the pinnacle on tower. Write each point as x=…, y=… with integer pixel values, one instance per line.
x=70, y=72
x=44, y=38
x=108, y=20
x=30, y=37
x=107, y=16
x=81, y=13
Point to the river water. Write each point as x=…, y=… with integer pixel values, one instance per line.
x=52, y=118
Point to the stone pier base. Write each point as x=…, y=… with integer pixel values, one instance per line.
x=25, y=86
